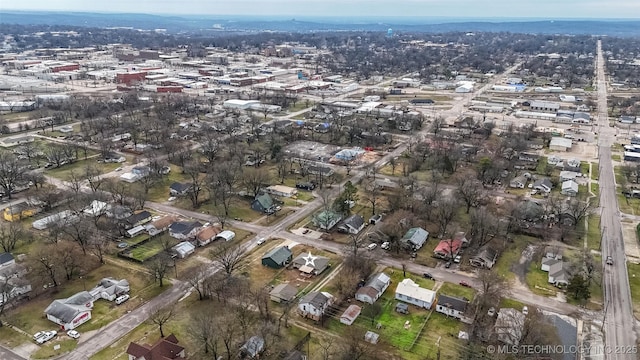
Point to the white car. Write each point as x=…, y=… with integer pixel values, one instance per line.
x=372, y=246
x=38, y=335
x=122, y=298
x=525, y=310
x=46, y=337
x=457, y=259
x=385, y=245
x=73, y=334
x=261, y=241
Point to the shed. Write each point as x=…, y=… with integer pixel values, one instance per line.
x=184, y=249
x=226, y=235
x=350, y=315
x=371, y=337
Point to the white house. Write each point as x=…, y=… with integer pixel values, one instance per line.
x=71, y=312
x=408, y=291
x=281, y=190
x=569, y=188
x=96, y=208
x=451, y=306
x=374, y=288
x=314, y=304
x=109, y=289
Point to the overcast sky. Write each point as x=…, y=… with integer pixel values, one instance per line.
x=548, y=9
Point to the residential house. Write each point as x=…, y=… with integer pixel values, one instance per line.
x=452, y=306
x=281, y=190
x=529, y=210
x=184, y=230
x=518, y=182
x=543, y=185
x=352, y=225
x=252, y=348
x=484, y=258
x=385, y=184
x=183, y=249
x=447, y=249
x=71, y=312
x=207, y=234
x=14, y=287
x=179, y=189
x=572, y=165
x=109, y=289
x=283, y=293
x=415, y=238
x=326, y=219
x=96, y=208
x=164, y=349
x=410, y=292
x=19, y=211
x=161, y=225
x=560, y=144
x=374, y=288
x=568, y=175
x=226, y=235
x=118, y=212
x=509, y=326
x=350, y=315
x=559, y=274
x=141, y=171
x=137, y=219
x=314, y=304
x=277, y=257
x=310, y=264
x=6, y=260
x=295, y=355
x=264, y=203
x=569, y=188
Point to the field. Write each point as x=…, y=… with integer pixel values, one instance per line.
x=151, y=248
x=634, y=284
x=78, y=168
x=593, y=232
x=511, y=256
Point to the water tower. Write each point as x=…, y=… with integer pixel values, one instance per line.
x=390, y=33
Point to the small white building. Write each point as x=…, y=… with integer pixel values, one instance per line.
x=184, y=249
x=569, y=188
x=281, y=190
x=226, y=235
x=410, y=292
x=350, y=315
x=314, y=304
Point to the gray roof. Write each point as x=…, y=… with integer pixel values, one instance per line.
x=253, y=347
x=355, y=220
x=69, y=308
x=453, y=302
x=265, y=200
x=379, y=281
x=284, y=291
x=279, y=255
x=183, y=227
x=319, y=263
x=180, y=187
x=486, y=253
x=417, y=236
x=545, y=181
x=5, y=258
x=315, y=298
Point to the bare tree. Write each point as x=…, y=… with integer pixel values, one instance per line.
x=159, y=267
x=161, y=316
x=445, y=213
x=253, y=179
x=372, y=194
x=484, y=226
x=327, y=347
x=470, y=191
x=196, y=277
x=354, y=347
x=68, y=257
x=11, y=172
x=10, y=234
x=229, y=256
x=192, y=169
x=30, y=150
x=204, y=327
x=99, y=245
x=46, y=267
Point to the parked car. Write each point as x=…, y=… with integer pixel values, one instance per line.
x=261, y=241
x=73, y=334
x=122, y=245
x=609, y=260
x=448, y=264
x=48, y=335
x=385, y=245
x=119, y=169
x=492, y=311
x=38, y=334
x=305, y=231
x=428, y=276
x=457, y=259
x=525, y=310
x=372, y=246
x=122, y=298
x=465, y=284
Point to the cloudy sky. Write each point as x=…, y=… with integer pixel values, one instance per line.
x=549, y=9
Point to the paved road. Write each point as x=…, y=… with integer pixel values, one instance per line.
x=619, y=320
x=6, y=354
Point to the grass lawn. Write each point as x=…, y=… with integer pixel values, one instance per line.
x=584, y=167
x=615, y=157
x=160, y=191
x=456, y=290
x=46, y=351
x=538, y=281
x=300, y=105
x=626, y=205
x=305, y=195
x=595, y=171
x=271, y=220
x=152, y=247
x=78, y=167
x=595, y=189
x=440, y=327
x=240, y=208
x=634, y=284
x=510, y=303
x=593, y=232
x=511, y=255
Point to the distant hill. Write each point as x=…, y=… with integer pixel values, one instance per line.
x=176, y=24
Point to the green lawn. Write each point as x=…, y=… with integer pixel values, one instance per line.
x=159, y=192
x=240, y=209
x=511, y=255
x=595, y=189
x=593, y=232
x=300, y=105
x=152, y=247
x=634, y=284
x=615, y=157
x=456, y=290
x=305, y=195
x=538, y=280
x=510, y=303
x=46, y=351
x=78, y=167
x=440, y=327
x=584, y=167
x=626, y=205
x=595, y=171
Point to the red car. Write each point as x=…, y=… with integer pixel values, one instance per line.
x=465, y=284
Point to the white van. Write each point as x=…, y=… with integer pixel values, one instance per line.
x=122, y=298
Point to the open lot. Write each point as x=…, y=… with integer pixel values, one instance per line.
x=78, y=168
x=634, y=284
x=311, y=150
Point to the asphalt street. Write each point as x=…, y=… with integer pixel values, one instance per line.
x=619, y=322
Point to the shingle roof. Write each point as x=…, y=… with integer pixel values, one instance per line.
x=284, y=291
x=163, y=349
x=417, y=236
x=5, y=258
x=279, y=255
x=453, y=302
x=265, y=201
x=315, y=298
x=67, y=309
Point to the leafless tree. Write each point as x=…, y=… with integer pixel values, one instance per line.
x=372, y=194
x=159, y=266
x=99, y=245
x=445, y=213
x=161, y=316
x=470, y=190
x=204, y=327
x=30, y=150
x=45, y=266
x=253, y=179
x=229, y=256
x=10, y=234
x=493, y=287
x=11, y=172
x=192, y=170
x=354, y=347
x=327, y=347
x=196, y=277
x=396, y=225
x=80, y=232
x=484, y=226
x=68, y=256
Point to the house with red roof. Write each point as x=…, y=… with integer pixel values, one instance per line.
x=164, y=349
